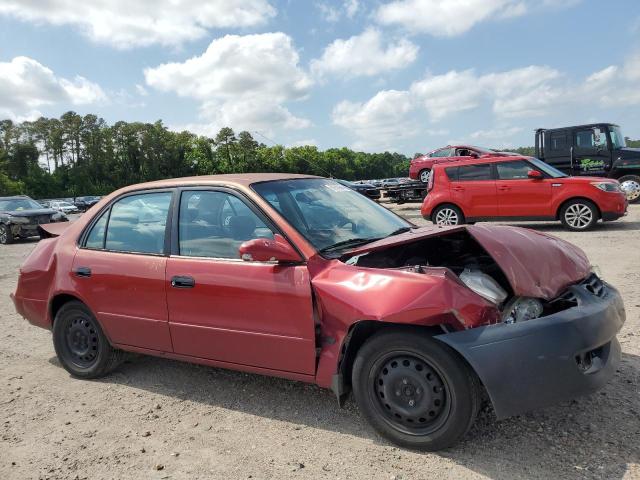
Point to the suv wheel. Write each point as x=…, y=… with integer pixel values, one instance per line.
x=630, y=185
x=81, y=346
x=6, y=237
x=447, y=215
x=579, y=215
x=414, y=390
x=424, y=175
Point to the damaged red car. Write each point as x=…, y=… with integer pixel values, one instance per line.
x=301, y=277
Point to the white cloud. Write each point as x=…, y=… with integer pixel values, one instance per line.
x=496, y=134
x=447, y=18
x=445, y=94
x=378, y=123
x=364, y=55
x=26, y=85
x=351, y=7
x=125, y=24
x=240, y=81
x=334, y=13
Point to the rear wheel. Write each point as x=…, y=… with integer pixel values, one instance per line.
x=447, y=215
x=414, y=390
x=81, y=346
x=630, y=185
x=424, y=175
x=6, y=237
x=579, y=215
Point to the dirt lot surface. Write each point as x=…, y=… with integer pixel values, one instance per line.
x=157, y=418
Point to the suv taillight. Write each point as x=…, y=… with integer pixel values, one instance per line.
x=430, y=182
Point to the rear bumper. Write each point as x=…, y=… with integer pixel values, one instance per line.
x=33, y=310
x=544, y=361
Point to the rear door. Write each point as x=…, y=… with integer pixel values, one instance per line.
x=519, y=195
x=474, y=190
x=119, y=270
x=223, y=308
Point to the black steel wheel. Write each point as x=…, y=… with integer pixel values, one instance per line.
x=415, y=390
x=81, y=346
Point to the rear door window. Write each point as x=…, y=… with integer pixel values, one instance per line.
x=474, y=172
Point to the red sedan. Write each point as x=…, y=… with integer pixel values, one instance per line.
x=519, y=188
x=303, y=278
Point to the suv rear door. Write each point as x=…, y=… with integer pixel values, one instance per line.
x=473, y=189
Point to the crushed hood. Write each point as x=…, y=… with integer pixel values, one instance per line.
x=535, y=264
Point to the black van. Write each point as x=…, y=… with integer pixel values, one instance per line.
x=596, y=149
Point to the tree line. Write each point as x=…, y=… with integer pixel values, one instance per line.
x=82, y=155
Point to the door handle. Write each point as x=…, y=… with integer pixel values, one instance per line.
x=458, y=189
x=504, y=187
x=82, y=272
x=182, y=282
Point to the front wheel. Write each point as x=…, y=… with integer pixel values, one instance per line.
x=81, y=346
x=579, y=215
x=630, y=185
x=414, y=390
x=6, y=236
x=447, y=215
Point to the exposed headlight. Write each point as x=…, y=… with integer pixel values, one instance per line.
x=607, y=186
x=483, y=285
x=522, y=309
x=58, y=216
x=18, y=220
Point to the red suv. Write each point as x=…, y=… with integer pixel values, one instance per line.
x=518, y=188
x=420, y=167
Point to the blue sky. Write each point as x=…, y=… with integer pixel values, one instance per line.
x=404, y=75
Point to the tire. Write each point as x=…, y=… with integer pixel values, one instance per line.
x=6, y=237
x=630, y=185
x=80, y=344
x=444, y=391
x=424, y=175
x=579, y=215
x=447, y=215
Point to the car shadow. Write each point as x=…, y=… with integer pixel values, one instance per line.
x=557, y=226
x=592, y=436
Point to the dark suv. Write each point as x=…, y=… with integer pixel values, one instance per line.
x=21, y=215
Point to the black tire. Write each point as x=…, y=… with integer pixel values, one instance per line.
x=80, y=344
x=444, y=390
x=447, y=215
x=631, y=187
x=423, y=176
x=579, y=215
x=6, y=237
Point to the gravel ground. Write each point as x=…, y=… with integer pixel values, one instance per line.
x=158, y=419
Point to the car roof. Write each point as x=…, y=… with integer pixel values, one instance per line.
x=233, y=179
x=481, y=160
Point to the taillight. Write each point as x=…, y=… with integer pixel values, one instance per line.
x=430, y=182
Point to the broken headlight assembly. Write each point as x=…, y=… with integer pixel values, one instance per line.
x=521, y=309
x=484, y=285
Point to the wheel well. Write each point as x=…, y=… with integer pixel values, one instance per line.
x=577, y=198
x=358, y=334
x=58, y=301
x=444, y=204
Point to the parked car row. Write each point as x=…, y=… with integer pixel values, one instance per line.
x=71, y=205
x=20, y=217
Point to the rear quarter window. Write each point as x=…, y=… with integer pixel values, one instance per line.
x=452, y=173
x=474, y=172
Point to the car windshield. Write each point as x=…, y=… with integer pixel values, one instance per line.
x=546, y=168
x=328, y=214
x=617, y=140
x=17, y=204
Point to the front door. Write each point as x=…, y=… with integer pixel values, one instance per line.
x=119, y=271
x=226, y=309
x=474, y=190
x=591, y=154
x=519, y=195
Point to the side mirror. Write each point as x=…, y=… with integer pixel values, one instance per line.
x=534, y=175
x=267, y=250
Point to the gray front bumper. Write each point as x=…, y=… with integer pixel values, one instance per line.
x=541, y=362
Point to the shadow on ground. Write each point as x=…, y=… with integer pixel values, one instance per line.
x=595, y=436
